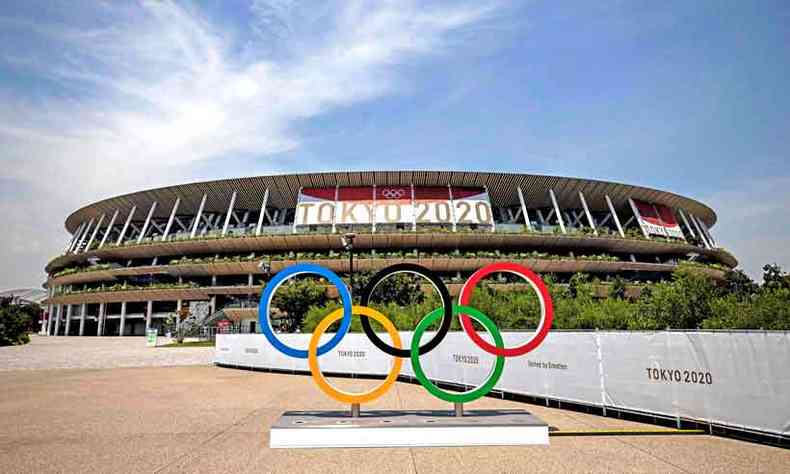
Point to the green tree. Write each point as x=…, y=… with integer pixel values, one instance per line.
x=16, y=322
x=773, y=277
x=402, y=288
x=295, y=298
x=691, y=300
x=682, y=303
x=768, y=309
x=738, y=283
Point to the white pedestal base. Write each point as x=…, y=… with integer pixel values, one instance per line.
x=380, y=429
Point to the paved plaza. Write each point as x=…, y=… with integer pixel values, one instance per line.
x=98, y=353
x=201, y=418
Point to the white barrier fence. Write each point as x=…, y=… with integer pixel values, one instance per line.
x=735, y=379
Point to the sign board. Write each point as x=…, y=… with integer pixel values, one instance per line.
x=393, y=205
x=150, y=337
x=657, y=219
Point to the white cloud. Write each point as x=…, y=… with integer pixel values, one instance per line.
x=753, y=222
x=147, y=90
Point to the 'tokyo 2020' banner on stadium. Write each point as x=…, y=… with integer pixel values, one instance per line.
x=657, y=219
x=393, y=205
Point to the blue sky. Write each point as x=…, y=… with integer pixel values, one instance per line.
x=101, y=98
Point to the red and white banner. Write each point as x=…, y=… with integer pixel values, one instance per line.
x=657, y=219
x=393, y=205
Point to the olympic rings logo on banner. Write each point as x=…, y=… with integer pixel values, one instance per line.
x=391, y=193
x=446, y=312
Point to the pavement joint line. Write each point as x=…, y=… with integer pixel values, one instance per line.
x=653, y=455
x=194, y=452
x=627, y=432
x=411, y=450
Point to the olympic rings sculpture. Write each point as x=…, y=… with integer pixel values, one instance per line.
x=446, y=313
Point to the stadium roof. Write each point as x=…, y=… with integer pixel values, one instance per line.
x=284, y=190
x=31, y=295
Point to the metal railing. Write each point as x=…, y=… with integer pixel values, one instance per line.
x=209, y=333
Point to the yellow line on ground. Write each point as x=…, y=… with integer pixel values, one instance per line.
x=625, y=432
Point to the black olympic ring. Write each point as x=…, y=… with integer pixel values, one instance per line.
x=438, y=284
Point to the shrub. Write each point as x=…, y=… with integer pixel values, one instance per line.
x=16, y=322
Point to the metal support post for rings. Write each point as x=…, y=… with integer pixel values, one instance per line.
x=459, y=409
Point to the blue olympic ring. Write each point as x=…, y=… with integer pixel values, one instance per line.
x=279, y=279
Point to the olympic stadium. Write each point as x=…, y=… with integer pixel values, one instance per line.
x=134, y=260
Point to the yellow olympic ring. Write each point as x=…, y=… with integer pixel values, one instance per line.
x=315, y=370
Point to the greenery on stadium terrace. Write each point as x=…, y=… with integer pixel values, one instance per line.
x=332, y=255
x=631, y=233
x=691, y=300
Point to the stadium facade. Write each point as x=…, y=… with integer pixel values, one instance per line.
x=135, y=260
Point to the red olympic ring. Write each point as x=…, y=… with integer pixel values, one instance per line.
x=546, y=308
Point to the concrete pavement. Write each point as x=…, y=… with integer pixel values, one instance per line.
x=62, y=352
x=210, y=419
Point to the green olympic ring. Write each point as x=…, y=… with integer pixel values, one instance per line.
x=462, y=397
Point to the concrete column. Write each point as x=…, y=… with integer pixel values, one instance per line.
x=213, y=305
x=109, y=228
x=638, y=217
x=334, y=209
x=100, y=321
x=147, y=222
x=44, y=322
x=452, y=207
x=249, y=279
x=293, y=226
x=587, y=212
x=126, y=226
x=57, y=321
x=123, y=319
x=263, y=212
x=45, y=326
x=68, y=319
x=93, y=235
x=54, y=322
x=706, y=231
x=149, y=311
x=523, y=203
x=702, y=236
x=229, y=214
x=199, y=214
x=83, y=308
x=614, y=216
x=49, y=320
x=170, y=220
x=74, y=239
x=84, y=234
x=557, y=211
x=178, y=314
x=685, y=221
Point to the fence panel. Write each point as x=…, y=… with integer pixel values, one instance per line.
x=738, y=379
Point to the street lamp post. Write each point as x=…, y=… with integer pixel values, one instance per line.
x=348, y=244
x=266, y=269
